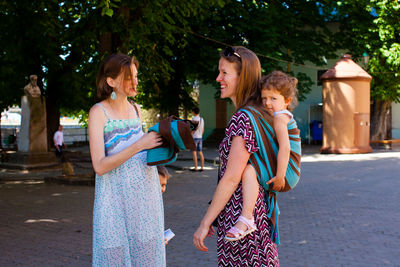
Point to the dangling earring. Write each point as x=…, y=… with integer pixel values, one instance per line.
x=113, y=95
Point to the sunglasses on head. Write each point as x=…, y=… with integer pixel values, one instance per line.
x=230, y=51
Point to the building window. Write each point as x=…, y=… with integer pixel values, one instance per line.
x=319, y=74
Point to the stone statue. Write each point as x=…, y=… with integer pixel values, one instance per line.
x=32, y=137
x=32, y=89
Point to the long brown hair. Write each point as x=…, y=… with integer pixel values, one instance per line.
x=112, y=67
x=248, y=92
x=249, y=70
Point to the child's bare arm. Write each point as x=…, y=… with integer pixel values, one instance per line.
x=280, y=127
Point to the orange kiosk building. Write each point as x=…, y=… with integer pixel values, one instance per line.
x=346, y=108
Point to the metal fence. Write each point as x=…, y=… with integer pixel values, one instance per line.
x=72, y=134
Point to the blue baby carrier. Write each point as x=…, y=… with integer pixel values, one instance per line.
x=264, y=161
x=176, y=136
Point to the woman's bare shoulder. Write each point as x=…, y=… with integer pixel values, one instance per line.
x=97, y=113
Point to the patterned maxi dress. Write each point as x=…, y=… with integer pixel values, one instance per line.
x=255, y=249
x=128, y=214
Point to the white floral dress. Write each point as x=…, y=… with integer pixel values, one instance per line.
x=128, y=214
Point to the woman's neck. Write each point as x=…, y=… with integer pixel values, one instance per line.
x=233, y=101
x=119, y=106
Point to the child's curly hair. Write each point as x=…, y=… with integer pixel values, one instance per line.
x=285, y=84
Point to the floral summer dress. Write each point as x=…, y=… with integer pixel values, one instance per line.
x=255, y=249
x=128, y=214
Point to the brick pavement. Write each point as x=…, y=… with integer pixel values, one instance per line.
x=344, y=212
x=45, y=224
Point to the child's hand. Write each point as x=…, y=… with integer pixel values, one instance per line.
x=166, y=241
x=279, y=183
x=211, y=231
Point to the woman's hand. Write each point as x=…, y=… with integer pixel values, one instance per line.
x=200, y=235
x=150, y=140
x=279, y=183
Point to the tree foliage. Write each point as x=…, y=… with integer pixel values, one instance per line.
x=278, y=31
x=374, y=27
x=175, y=41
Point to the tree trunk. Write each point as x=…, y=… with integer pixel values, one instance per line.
x=381, y=123
x=53, y=120
x=53, y=105
x=1, y=143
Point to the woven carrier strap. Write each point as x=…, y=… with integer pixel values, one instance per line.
x=264, y=161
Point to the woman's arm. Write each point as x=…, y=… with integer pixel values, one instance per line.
x=101, y=163
x=280, y=126
x=237, y=161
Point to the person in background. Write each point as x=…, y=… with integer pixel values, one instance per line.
x=164, y=176
x=59, y=143
x=198, y=139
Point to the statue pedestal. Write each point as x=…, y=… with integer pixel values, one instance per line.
x=32, y=138
x=33, y=134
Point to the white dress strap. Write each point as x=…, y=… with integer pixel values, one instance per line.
x=104, y=109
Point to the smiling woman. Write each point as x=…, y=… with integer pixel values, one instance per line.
x=239, y=78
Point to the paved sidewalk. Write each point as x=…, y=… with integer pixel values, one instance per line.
x=344, y=212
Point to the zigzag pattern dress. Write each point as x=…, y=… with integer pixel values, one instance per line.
x=128, y=213
x=255, y=249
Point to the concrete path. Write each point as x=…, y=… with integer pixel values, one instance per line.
x=344, y=212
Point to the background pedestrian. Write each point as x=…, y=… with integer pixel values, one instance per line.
x=198, y=139
x=58, y=140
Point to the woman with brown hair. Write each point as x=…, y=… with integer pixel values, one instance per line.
x=239, y=77
x=128, y=215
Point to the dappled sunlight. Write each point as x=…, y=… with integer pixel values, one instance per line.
x=209, y=168
x=41, y=220
x=28, y=182
x=206, y=168
x=4, y=170
x=349, y=157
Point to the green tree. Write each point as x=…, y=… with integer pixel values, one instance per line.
x=374, y=27
x=39, y=37
x=278, y=31
x=176, y=51
x=175, y=41
x=64, y=42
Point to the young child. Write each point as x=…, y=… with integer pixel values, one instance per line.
x=164, y=176
x=278, y=93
